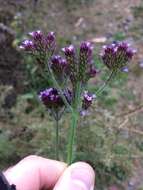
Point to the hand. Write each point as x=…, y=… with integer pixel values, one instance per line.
x=37, y=173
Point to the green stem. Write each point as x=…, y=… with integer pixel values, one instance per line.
x=57, y=140
x=74, y=122
x=100, y=90
x=72, y=131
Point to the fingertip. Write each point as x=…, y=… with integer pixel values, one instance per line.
x=85, y=166
x=79, y=176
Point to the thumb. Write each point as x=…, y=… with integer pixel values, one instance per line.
x=79, y=176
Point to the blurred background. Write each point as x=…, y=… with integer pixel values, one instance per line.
x=110, y=138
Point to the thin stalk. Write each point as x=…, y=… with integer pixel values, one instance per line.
x=57, y=140
x=100, y=90
x=74, y=122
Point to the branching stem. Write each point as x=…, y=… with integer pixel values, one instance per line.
x=100, y=90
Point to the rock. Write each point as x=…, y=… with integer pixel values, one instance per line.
x=11, y=69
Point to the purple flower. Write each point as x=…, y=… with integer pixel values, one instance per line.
x=37, y=35
x=87, y=100
x=27, y=45
x=117, y=55
x=69, y=50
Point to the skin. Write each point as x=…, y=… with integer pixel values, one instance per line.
x=38, y=173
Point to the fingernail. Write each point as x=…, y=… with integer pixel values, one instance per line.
x=82, y=177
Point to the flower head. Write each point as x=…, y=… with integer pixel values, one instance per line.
x=40, y=45
x=51, y=98
x=117, y=55
x=86, y=48
x=70, y=53
x=86, y=51
x=85, y=61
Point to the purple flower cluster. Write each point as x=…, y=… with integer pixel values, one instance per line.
x=39, y=43
x=52, y=99
x=81, y=67
x=116, y=56
x=76, y=67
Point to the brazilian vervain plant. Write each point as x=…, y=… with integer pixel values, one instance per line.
x=70, y=74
